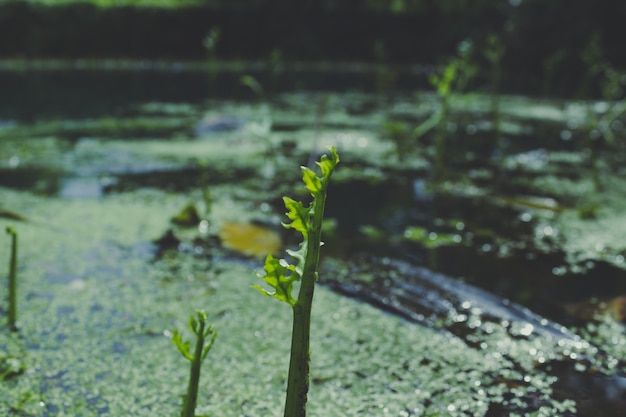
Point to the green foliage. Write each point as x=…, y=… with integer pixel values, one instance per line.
x=443, y=83
x=212, y=38
x=198, y=325
x=253, y=84
x=398, y=133
x=280, y=275
x=494, y=49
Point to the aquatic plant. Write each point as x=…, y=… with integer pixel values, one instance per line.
x=454, y=77
x=398, y=133
x=494, y=52
x=12, y=311
x=282, y=275
x=198, y=325
x=210, y=44
x=443, y=84
x=253, y=84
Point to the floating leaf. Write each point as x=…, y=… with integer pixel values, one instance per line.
x=250, y=239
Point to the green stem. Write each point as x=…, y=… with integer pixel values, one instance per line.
x=298, y=379
x=13, y=280
x=189, y=405
x=440, y=139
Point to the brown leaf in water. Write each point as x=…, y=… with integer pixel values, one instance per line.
x=250, y=239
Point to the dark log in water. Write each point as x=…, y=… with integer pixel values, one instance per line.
x=421, y=295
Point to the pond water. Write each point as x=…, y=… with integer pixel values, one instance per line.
x=506, y=244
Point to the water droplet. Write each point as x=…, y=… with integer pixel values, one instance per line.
x=14, y=161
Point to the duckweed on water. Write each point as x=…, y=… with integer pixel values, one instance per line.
x=97, y=300
x=98, y=310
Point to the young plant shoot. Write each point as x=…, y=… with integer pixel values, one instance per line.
x=281, y=276
x=12, y=313
x=198, y=325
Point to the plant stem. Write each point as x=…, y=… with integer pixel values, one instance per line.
x=298, y=379
x=189, y=405
x=13, y=280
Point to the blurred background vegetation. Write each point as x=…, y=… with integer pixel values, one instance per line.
x=568, y=48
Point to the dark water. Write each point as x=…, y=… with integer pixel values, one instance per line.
x=51, y=94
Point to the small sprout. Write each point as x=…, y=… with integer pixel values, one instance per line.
x=198, y=325
x=12, y=313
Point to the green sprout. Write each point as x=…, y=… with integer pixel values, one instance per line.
x=494, y=52
x=281, y=276
x=198, y=325
x=12, y=313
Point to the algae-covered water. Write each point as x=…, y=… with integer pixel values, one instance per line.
x=494, y=290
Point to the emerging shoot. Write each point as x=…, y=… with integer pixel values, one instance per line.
x=198, y=325
x=281, y=275
x=12, y=313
